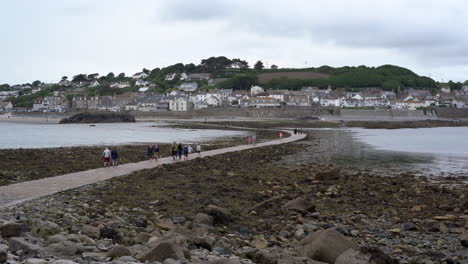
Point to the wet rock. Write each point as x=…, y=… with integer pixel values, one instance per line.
x=204, y=242
x=34, y=261
x=20, y=243
x=259, y=243
x=328, y=175
x=163, y=251
x=111, y=233
x=325, y=245
x=11, y=229
x=63, y=261
x=56, y=239
x=464, y=239
x=46, y=228
x=91, y=231
x=300, y=205
x=64, y=248
x=3, y=255
x=119, y=251
x=204, y=219
x=220, y=215
x=409, y=227
x=143, y=237
x=127, y=259
x=364, y=255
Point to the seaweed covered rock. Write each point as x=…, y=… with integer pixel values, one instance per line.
x=98, y=118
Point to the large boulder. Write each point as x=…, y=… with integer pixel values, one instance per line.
x=204, y=219
x=325, y=245
x=299, y=205
x=46, y=228
x=64, y=248
x=20, y=243
x=364, y=255
x=11, y=229
x=119, y=251
x=464, y=239
x=3, y=255
x=91, y=231
x=220, y=215
x=163, y=251
x=330, y=175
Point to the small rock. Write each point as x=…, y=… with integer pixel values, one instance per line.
x=204, y=219
x=395, y=230
x=3, y=255
x=300, y=205
x=91, y=231
x=46, y=228
x=220, y=215
x=119, y=251
x=464, y=239
x=409, y=227
x=325, y=245
x=56, y=239
x=34, y=261
x=63, y=261
x=127, y=259
x=259, y=243
x=64, y=248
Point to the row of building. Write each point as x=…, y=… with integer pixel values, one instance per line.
x=257, y=97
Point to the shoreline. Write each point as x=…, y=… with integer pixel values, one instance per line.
x=395, y=214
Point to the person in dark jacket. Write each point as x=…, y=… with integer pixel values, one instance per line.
x=150, y=152
x=114, y=157
x=179, y=150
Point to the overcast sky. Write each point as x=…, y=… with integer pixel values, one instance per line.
x=48, y=39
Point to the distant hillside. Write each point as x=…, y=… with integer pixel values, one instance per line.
x=267, y=77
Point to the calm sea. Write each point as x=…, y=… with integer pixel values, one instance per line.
x=22, y=135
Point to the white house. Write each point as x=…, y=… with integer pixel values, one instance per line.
x=140, y=75
x=170, y=76
x=143, y=89
x=141, y=83
x=263, y=102
x=120, y=85
x=330, y=101
x=188, y=87
x=255, y=90
x=183, y=76
x=178, y=104
x=94, y=83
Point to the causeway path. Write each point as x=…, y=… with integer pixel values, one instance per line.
x=14, y=194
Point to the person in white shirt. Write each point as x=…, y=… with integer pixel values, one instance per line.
x=106, y=155
x=198, y=148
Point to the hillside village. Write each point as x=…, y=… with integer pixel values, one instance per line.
x=179, y=90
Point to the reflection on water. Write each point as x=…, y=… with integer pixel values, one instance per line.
x=19, y=135
x=346, y=148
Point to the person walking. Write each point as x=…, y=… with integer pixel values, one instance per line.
x=280, y=135
x=150, y=152
x=295, y=131
x=106, y=155
x=186, y=151
x=190, y=149
x=198, y=148
x=179, y=150
x=174, y=150
x=114, y=157
x=156, y=152
x=249, y=140
x=254, y=139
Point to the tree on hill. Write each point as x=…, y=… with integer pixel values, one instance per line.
x=110, y=75
x=121, y=76
x=240, y=64
x=215, y=64
x=274, y=67
x=259, y=66
x=64, y=78
x=92, y=76
x=36, y=83
x=79, y=78
x=239, y=82
x=146, y=71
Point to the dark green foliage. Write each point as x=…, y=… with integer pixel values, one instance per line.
x=4, y=87
x=259, y=66
x=388, y=77
x=239, y=82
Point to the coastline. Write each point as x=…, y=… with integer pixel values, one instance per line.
x=393, y=212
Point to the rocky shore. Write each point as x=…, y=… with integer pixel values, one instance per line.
x=101, y=117
x=256, y=206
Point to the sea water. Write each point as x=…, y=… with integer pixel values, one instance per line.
x=31, y=135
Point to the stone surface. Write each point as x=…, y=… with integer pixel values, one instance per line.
x=64, y=248
x=35, y=261
x=464, y=239
x=10, y=229
x=202, y=218
x=20, y=243
x=325, y=245
x=46, y=228
x=3, y=255
x=220, y=215
x=119, y=251
x=299, y=204
x=163, y=251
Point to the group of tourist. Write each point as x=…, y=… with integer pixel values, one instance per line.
x=297, y=131
x=252, y=140
x=178, y=150
x=110, y=157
